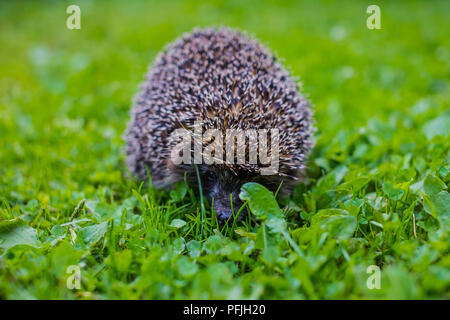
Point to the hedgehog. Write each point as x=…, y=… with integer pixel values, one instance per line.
x=220, y=80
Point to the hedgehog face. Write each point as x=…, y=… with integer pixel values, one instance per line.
x=222, y=187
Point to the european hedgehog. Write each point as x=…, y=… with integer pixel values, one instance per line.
x=218, y=79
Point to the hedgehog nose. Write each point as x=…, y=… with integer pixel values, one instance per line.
x=223, y=212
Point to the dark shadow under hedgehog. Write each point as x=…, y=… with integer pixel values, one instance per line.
x=223, y=80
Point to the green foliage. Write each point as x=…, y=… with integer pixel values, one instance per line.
x=377, y=191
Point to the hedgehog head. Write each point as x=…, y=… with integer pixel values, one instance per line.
x=223, y=159
x=222, y=185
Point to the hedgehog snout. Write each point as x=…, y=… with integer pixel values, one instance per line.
x=222, y=207
x=222, y=203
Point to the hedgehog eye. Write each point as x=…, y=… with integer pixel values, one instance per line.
x=210, y=175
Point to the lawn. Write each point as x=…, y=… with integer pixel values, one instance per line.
x=377, y=193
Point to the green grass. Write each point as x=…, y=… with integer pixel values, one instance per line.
x=379, y=176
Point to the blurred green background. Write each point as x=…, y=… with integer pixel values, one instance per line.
x=381, y=101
